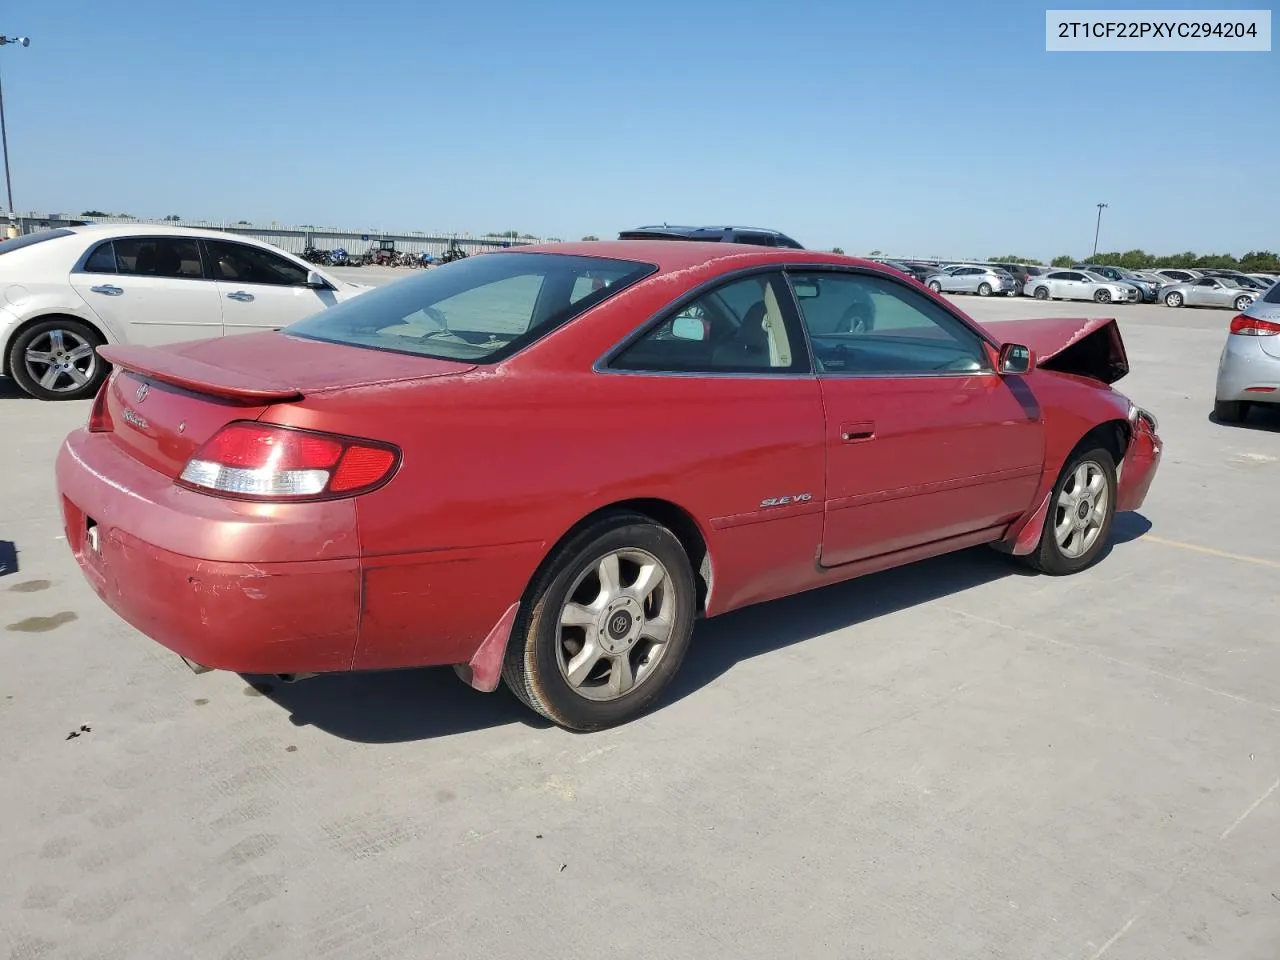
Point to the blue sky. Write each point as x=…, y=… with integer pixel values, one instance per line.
x=914, y=128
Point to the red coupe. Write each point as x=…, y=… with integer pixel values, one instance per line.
x=542, y=465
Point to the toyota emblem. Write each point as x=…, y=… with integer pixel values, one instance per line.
x=142, y=393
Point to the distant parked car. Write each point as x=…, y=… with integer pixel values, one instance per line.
x=74, y=289
x=913, y=270
x=1151, y=277
x=1208, y=292
x=1146, y=288
x=1179, y=275
x=755, y=236
x=1249, y=369
x=1081, y=285
x=1017, y=270
x=984, y=281
x=1266, y=279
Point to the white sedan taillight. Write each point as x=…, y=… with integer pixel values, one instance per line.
x=267, y=462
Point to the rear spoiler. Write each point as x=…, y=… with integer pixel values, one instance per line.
x=197, y=376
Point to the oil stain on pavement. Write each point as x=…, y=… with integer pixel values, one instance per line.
x=42, y=624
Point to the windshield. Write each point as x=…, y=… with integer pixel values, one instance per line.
x=480, y=309
x=1096, y=277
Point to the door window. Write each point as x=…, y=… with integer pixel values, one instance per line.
x=174, y=258
x=241, y=263
x=864, y=324
x=737, y=328
x=102, y=260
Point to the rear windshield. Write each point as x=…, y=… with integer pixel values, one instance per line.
x=17, y=243
x=1273, y=294
x=480, y=309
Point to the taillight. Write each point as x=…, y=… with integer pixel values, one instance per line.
x=1247, y=326
x=99, y=418
x=268, y=462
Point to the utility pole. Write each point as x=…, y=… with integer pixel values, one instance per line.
x=4, y=140
x=1098, y=229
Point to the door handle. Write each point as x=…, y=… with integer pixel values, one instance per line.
x=857, y=432
x=241, y=296
x=108, y=289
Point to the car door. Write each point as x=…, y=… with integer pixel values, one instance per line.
x=1205, y=292
x=152, y=290
x=732, y=361
x=925, y=441
x=261, y=290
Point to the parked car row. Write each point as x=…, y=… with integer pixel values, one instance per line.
x=1090, y=281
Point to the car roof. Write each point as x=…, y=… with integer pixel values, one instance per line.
x=156, y=230
x=668, y=256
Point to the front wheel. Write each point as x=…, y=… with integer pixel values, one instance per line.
x=1102, y=296
x=1173, y=299
x=606, y=625
x=1081, y=509
x=57, y=359
x=935, y=286
x=1243, y=304
x=984, y=289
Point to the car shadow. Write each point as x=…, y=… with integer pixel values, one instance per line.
x=9, y=390
x=1264, y=417
x=405, y=705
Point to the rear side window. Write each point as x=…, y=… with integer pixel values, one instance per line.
x=480, y=309
x=102, y=260
x=174, y=258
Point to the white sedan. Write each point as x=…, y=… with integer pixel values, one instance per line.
x=65, y=292
x=1080, y=285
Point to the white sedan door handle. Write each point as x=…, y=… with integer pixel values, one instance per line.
x=241, y=295
x=109, y=289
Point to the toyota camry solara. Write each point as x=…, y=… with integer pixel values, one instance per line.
x=542, y=466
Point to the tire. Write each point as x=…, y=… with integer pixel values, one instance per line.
x=984, y=289
x=544, y=647
x=1042, y=293
x=1173, y=299
x=1243, y=304
x=64, y=341
x=1230, y=411
x=1102, y=296
x=936, y=287
x=1056, y=556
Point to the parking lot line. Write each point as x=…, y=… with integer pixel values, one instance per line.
x=1210, y=551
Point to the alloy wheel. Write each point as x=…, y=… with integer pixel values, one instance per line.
x=60, y=360
x=1081, y=510
x=615, y=625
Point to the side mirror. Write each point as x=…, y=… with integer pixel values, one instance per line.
x=1016, y=360
x=688, y=328
x=316, y=282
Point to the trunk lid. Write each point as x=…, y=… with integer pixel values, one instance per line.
x=1086, y=346
x=164, y=402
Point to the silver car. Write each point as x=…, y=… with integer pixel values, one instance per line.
x=1249, y=370
x=1208, y=292
x=1080, y=285
x=984, y=281
x=1179, y=275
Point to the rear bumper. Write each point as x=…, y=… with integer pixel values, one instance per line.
x=1138, y=468
x=166, y=561
x=276, y=588
x=1247, y=372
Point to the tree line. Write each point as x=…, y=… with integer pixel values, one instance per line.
x=1255, y=261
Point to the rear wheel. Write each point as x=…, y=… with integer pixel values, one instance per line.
x=57, y=359
x=984, y=289
x=1230, y=411
x=607, y=625
x=1081, y=509
x=1042, y=293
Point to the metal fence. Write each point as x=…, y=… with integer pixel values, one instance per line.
x=295, y=239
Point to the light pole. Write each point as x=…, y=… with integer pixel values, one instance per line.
x=4, y=139
x=1096, y=230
